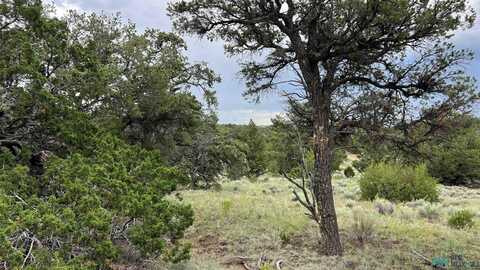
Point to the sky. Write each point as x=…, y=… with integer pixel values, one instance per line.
x=233, y=107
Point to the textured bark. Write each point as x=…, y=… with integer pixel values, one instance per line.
x=321, y=91
x=322, y=181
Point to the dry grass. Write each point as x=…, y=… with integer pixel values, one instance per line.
x=260, y=218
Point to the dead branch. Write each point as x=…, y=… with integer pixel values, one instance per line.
x=261, y=262
x=308, y=200
x=426, y=260
x=279, y=264
x=29, y=253
x=245, y=265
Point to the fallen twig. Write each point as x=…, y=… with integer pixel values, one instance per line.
x=28, y=254
x=426, y=260
x=261, y=262
x=278, y=264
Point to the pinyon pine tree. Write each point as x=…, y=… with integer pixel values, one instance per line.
x=378, y=65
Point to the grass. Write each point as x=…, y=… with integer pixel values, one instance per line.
x=251, y=219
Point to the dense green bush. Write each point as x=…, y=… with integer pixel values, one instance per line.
x=397, y=182
x=461, y=219
x=457, y=161
x=82, y=209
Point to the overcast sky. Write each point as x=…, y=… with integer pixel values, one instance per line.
x=233, y=108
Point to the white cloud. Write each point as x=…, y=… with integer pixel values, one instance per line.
x=262, y=118
x=62, y=8
x=470, y=38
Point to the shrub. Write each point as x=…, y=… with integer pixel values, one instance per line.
x=363, y=227
x=461, y=219
x=78, y=214
x=398, y=183
x=429, y=211
x=384, y=207
x=457, y=162
x=348, y=172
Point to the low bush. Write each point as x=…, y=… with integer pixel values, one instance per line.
x=429, y=211
x=82, y=210
x=384, y=207
x=461, y=219
x=363, y=227
x=398, y=183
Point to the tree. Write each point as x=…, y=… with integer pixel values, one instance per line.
x=58, y=74
x=32, y=46
x=234, y=151
x=136, y=83
x=361, y=64
x=71, y=194
x=204, y=157
x=456, y=161
x=255, y=154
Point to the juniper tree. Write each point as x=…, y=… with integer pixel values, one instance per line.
x=362, y=63
x=255, y=154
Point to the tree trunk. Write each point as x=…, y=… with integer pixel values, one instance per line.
x=321, y=91
x=322, y=184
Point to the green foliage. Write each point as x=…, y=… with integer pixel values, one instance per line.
x=244, y=150
x=57, y=76
x=255, y=155
x=457, y=161
x=235, y=158
x=338, y=158
x=287, y=141
x=373, y=151
x=226, y=206
x=204, y=158
x=285, y=145
x=461, y=219
x=451, y=153
x=361, y=164
x=82, y=208
x=137, y=84
x=399, y=183
x=285, y=236
x=266, y=267
x=348, y=172
x=247, y=152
